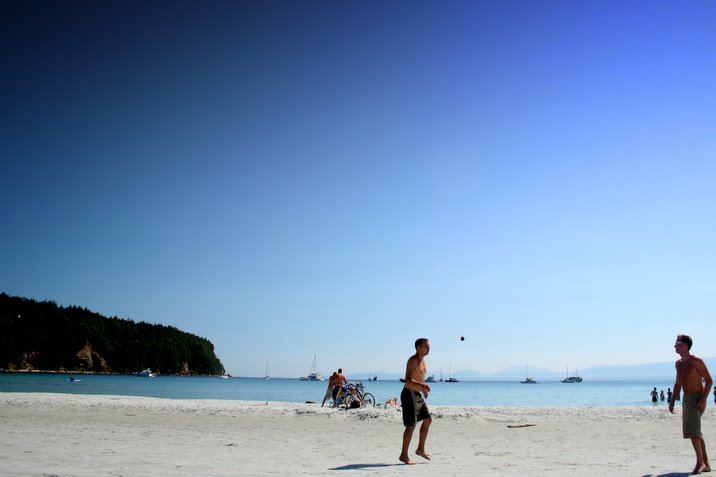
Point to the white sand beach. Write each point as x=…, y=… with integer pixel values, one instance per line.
x=78, y=435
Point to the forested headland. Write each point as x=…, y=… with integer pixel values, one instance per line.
x=44, y=336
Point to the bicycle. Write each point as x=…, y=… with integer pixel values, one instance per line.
x=352, y=393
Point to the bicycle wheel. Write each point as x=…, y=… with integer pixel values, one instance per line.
x=368, y=399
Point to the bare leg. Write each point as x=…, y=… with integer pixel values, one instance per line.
x=707, y=465
x=698, y=449
x=407, y=436
x=423, y=435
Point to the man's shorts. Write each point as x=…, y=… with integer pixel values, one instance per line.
x=691, y=416
x=414, y=407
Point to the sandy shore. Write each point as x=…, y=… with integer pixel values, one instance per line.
x=77, y=435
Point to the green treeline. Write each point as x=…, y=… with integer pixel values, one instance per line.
x=44, y=336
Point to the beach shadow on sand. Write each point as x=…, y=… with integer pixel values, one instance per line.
x=668, y=474
x=365, y=466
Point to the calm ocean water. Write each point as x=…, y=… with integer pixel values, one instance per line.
x=600, y=393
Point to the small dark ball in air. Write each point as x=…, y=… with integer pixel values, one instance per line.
x=462, y=338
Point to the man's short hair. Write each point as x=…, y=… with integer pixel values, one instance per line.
x=685, y=339
x=419, y=342
x=340, y=370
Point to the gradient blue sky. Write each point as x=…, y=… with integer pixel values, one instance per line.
x=290, y=178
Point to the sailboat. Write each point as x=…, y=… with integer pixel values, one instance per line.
x=450, y=379
x=528, y=380
x=266, y=374
x=572, y=379
x=313, y=375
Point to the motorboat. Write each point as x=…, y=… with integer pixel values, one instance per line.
x=430, y=379
x=145, y=373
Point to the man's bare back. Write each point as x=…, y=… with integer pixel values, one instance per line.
x=340, y=378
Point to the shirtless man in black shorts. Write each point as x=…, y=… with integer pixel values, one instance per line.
x=691, y=372
x=413, y=402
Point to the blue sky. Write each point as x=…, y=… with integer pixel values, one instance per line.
x=340, y=178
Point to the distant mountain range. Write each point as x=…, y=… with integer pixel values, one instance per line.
x=618, y=371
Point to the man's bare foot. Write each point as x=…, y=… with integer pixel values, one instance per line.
x=697, y=470
x=423, y=454
x=406, y=460
x=706, y=468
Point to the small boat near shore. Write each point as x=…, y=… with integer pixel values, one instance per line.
x=145, y=373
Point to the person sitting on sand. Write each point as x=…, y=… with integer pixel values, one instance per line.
x=691, y=372
x=392, y=402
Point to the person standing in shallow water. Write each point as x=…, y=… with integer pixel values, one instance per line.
x=691, y=372
x=412, y=400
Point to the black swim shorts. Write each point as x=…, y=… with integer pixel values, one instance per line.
x=414, y=407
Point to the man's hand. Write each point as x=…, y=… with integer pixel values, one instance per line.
x=425, y=389
x=701, y=405
x=671, y=407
